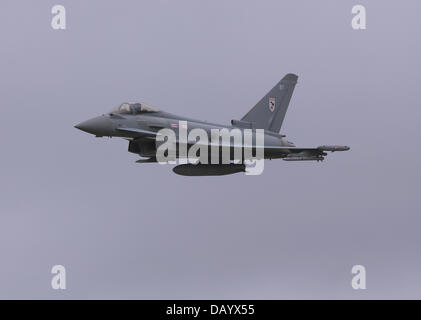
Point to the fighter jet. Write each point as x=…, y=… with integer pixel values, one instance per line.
x=141, y=124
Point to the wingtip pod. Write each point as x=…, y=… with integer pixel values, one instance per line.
x=333, y=148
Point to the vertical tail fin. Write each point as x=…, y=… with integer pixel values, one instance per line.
x=269, y=112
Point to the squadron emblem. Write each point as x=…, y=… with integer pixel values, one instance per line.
x=271, y=104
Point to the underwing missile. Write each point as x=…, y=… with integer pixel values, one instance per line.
x=333, y=148
x=303, y=158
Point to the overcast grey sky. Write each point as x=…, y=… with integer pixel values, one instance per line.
x=125, y=230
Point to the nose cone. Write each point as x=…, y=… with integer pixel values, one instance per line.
x=99, y=126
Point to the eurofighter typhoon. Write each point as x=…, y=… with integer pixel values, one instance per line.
x=155, y=135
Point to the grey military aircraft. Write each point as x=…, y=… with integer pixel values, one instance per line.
x=140, y=124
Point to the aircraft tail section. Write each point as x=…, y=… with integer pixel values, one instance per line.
x=269, y=112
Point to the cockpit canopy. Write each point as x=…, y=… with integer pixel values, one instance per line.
x=133, y=108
